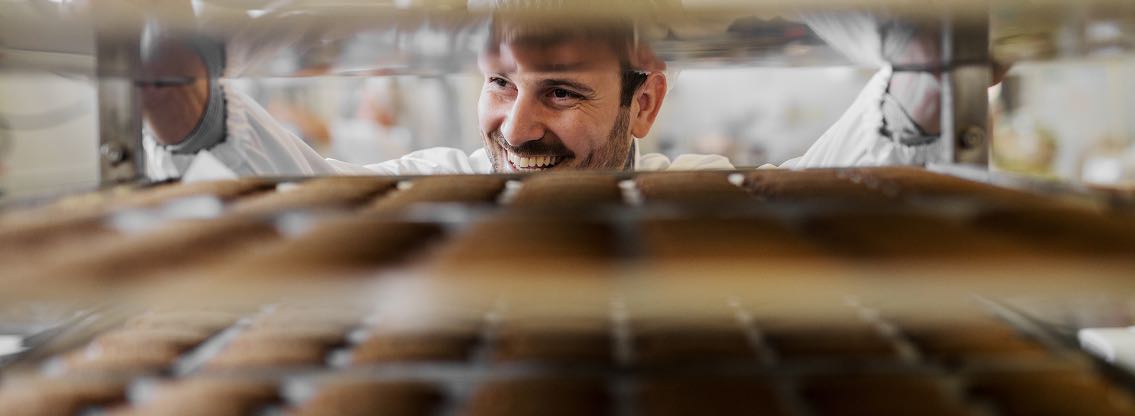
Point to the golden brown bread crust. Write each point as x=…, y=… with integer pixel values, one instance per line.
x=1056, y=392
x=122, y=197
x=181, y=244
x=910, y=235
x=859, y=343
x=554, y=344
x=251, y=351
x=44, y=396
x=917, y=183
x=334, y=248
x=552, y=397
x=328, y=192
x=204, y=395
x=197, y=320
x=399, y=346
x=691, y=345
x=1063, y=231
x=471, y=189
x=81, y=221
x=30, y=239
x=568, y=190
x=124, y=360
x=737, y=238
x=712, y=395
x=883, y=393
x=690, y=188
x=148, y=343
x=810, y=186
x=346, y=397
x=504, y=240
x=957, y=344
x=224, y=190
x=179, y=339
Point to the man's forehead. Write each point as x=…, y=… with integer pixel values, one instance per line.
x=564, y=55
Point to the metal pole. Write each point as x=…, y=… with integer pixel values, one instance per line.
x=965, y=84
x=118, y=48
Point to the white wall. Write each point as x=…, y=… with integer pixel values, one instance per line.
x=753, y=115
x=53, y=130
x=1068, y=119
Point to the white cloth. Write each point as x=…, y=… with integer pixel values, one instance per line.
x=856, y=139
x=871, y=38
x=256, y=144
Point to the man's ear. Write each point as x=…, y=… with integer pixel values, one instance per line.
x=646, y=104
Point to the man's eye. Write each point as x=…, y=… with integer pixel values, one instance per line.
x=561, y=93
x=499, y=82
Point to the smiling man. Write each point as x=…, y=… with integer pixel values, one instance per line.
x=565, y=99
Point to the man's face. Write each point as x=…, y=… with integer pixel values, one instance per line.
x=554, y=106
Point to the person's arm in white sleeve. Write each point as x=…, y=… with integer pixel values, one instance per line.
x=894, y=120
x=206, y=115
x=435, y=161
x=255, y=144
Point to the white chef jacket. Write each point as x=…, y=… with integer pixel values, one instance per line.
x=858, y=138
x=255, y=144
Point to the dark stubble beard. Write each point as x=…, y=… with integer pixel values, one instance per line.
x=613, y=155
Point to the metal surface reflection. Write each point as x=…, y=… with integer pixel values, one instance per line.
x=378, y=38
x=278, y=38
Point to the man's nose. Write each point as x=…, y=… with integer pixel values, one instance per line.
x=524, y=122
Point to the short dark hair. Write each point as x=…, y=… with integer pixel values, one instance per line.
x=632, y=80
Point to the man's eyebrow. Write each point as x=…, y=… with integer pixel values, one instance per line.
x=579, y=87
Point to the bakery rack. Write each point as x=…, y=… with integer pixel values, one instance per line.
x=885, y=290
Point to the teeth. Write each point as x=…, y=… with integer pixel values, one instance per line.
x=533, y=162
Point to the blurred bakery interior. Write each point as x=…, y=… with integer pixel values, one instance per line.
x=923, y=209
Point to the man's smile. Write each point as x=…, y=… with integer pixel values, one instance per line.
x=532, y=163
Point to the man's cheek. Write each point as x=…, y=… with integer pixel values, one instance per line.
x=488, y=124
x=488, y=115
x=580, y=142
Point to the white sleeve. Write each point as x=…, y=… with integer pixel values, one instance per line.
x=435, y=161
x=254, y=145
x=700, y=162
x=265, y=147
x=877, y=128
x=861, y=136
